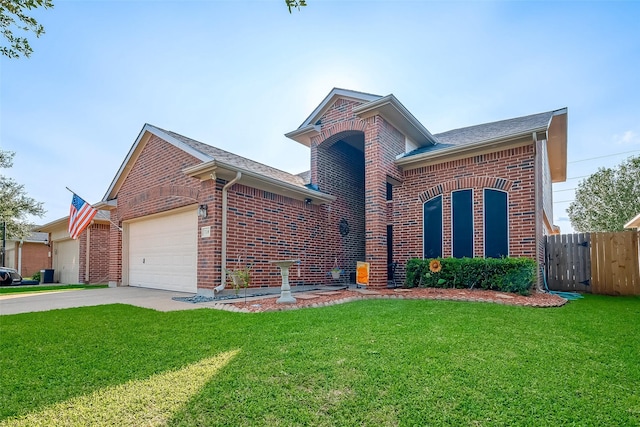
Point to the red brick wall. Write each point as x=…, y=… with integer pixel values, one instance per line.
x=115, y=250
x=511, y=170
x=263, y=227
x=99, y=247
x=341, y=174
x=382, y=144
x=155, y=184
x=35, y=257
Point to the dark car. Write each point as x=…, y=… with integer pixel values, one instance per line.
x=9, y=276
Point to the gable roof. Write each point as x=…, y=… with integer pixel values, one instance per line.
x=222, y=156
x=328, y=101
x=388, y=107
x=216, y=162
x=550, y=125
x=102, y=217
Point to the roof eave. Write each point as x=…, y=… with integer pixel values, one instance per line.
x=397, y=114
x=329, y=99
x=634, y=223
x=217, y=169
x=557, y=145
x=134, y=152
x=467, y=149
x=304, y=135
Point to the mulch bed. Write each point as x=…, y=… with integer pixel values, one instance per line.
x=323, y=299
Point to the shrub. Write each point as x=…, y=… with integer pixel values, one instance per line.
x=36, y=276
x=501, y=274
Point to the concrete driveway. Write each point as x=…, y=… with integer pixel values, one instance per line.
x=148, y=298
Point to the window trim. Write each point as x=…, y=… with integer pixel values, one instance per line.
x=441, y=225
x=473, y=223
x=484, y=225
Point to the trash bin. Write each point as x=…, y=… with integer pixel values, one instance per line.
x=41, y=277
x=47, y=275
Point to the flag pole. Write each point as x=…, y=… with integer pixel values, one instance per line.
x=76, y=194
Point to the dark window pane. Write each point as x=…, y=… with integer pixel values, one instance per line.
x=433, y=228
x=389, y=191
x=496, y=224
x=462, y=216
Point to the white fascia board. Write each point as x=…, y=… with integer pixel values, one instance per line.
x=304, y=135
x=108, y=205
x=285, y=188
x=390, y=108
x=141, y=136
x=52, y=225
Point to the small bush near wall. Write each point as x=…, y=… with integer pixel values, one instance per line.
x=500, y=274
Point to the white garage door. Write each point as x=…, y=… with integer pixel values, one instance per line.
x=163, y=252
x=65, y=261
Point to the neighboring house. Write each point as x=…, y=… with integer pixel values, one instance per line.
x=634, y=223
x=381, y=189
x=29, y=255
x=85, y=259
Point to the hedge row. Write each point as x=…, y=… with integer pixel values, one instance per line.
x=501, y=274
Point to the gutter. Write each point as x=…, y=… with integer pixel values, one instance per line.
x=223, y=272
x=283, y=187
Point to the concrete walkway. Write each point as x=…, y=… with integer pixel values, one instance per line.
x=154, y=299
x=141, y=297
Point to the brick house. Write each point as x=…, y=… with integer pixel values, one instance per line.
x=81, y=260
x=381, y=188
x=29, y=255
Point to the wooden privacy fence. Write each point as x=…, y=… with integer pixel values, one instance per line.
x=599, y=263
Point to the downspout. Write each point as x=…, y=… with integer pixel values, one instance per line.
x=20, y=257
x=538, y=194
x=86, y=255
x=223, y=272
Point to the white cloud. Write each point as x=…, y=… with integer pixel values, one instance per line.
x=627, y=138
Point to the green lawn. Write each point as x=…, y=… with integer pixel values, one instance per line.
x=375, y=362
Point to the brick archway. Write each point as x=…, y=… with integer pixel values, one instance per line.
x=335, y=133
x=466, y=182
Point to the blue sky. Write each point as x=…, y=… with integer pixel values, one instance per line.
x=240, y=74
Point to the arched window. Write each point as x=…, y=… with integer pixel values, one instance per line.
x=496, y=224
x=432, y=228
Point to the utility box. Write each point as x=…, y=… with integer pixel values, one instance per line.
x=46, y=276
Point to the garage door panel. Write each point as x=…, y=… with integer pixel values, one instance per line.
x=66, y=261
x=163, y=252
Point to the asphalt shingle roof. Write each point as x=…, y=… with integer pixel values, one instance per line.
x=487, y=132
x=238, y=161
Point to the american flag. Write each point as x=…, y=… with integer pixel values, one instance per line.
x=80, y=216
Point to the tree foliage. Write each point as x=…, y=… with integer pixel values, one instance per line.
x=607, y=199
x=13, y=17
x=15, y=205
x=295, y=4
